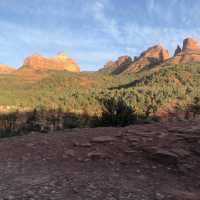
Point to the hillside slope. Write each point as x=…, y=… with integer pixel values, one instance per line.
x=147, y=90
x=81, y=92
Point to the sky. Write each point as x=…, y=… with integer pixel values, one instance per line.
x=93, y=31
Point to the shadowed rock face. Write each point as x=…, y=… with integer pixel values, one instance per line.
x=152, y=56
x=5, y=69
x=119, y=65
x=178, y=50
x=59, y=62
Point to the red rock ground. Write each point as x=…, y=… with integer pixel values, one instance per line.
x=141, y=162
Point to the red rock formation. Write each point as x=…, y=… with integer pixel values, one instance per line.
x=120, y=65
x=190, y=44
x=59, y=62
x=178, y=50
x=5, y=69
x=123, y=60
x=190, y=53
x=153, y=56
x=156, y=52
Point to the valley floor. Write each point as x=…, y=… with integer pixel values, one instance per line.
x=141, y=162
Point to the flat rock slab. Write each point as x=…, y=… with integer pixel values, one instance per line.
x=103, y=139
x=183, y=195
x=181, y=152
x=165, y=157
x=97, y=155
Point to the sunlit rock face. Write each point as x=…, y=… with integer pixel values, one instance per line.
x=58, y=62
x=157, y=52
x=153, y=56
x=190, y=44
x=157, y=55
x=188, y=54
x=5, y=69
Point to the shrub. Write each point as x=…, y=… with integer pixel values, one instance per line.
x=116, y=112
x=195, y=107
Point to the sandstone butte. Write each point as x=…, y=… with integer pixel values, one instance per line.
x=5, y=69
x=189, y=53
x=37, y=62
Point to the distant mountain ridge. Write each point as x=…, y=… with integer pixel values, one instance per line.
x=156, y=55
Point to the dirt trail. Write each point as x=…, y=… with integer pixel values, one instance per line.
x=141, y=162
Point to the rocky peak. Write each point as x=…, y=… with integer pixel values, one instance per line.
x=60, y=56
x=190, y=53
x=190, y=44
x=178, y=50
x=110, y=64
x=152, y=56
x=124, y=60
x=121, y=61
x=119, y=65
x=157, y=52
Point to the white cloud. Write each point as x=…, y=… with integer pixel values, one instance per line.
x=100, y=34
x=16, y=39
x=107, y=23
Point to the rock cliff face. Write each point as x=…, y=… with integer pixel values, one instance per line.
x=188, y=54
x=5, y=69
x=190, y=44
x=59, y=62
x=178, y=50
x=157, y=55
x=118, y=66
x=153, y=56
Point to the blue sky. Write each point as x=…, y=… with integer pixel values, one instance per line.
x=93, y=31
